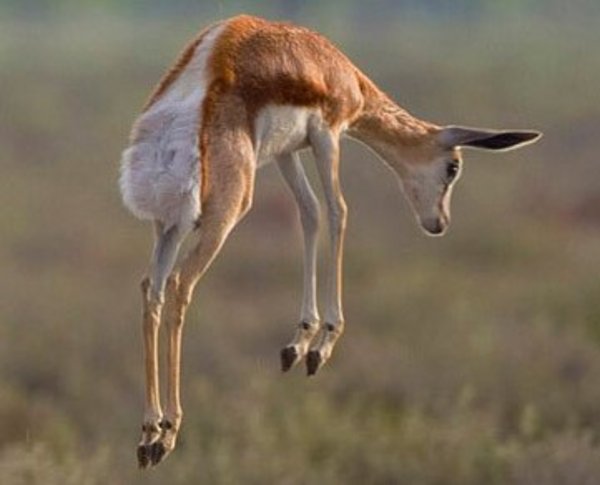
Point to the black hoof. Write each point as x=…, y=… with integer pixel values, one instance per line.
x=289, y=357
x=143, y=456
x=313, y=362
x=157, y=452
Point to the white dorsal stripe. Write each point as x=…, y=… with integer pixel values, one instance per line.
x=160, y=173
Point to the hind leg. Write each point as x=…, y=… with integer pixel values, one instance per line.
x=166, y=246
x=180, y=287
x=232, y=182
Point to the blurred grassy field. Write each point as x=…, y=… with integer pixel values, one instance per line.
x=472, y=359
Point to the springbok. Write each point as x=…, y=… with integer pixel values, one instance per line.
x=244, y=93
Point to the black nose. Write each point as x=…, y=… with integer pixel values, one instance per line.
x=435, y=227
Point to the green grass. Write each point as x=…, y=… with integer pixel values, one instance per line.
x=469, y=359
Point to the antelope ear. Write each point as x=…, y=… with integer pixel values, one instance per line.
x=498, y=140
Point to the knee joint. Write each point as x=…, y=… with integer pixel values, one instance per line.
x=152, y=296
x=173, y=282
x=338, y=215
x=341, y=209
x=178, y=292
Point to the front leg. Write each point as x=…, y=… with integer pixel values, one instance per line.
x=308, y=206
x=325, y=145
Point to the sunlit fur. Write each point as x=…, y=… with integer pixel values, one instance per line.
x=246, y=92
x=429, y=191
x=160, y=175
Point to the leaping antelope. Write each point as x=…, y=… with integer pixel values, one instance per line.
x=244, y=93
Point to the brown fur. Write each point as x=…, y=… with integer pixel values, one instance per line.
x=255, y=63
x=268, y=62
x=265, y=62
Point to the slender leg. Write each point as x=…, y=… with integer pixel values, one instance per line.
x=231, y=195
x=163, y=258
x=326, y=149
x=152, y=410
x=165, y=255
x=180, y=287
x=293, y=173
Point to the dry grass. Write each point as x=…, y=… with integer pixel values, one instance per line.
x=467, y=360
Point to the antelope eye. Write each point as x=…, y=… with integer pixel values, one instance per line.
x=452, y=169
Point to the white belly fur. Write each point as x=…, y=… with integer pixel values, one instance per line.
x=160, y=173
x=281, y=129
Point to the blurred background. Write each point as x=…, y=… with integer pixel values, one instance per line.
x=472, y=359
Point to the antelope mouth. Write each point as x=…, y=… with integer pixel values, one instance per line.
x=435, y=226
